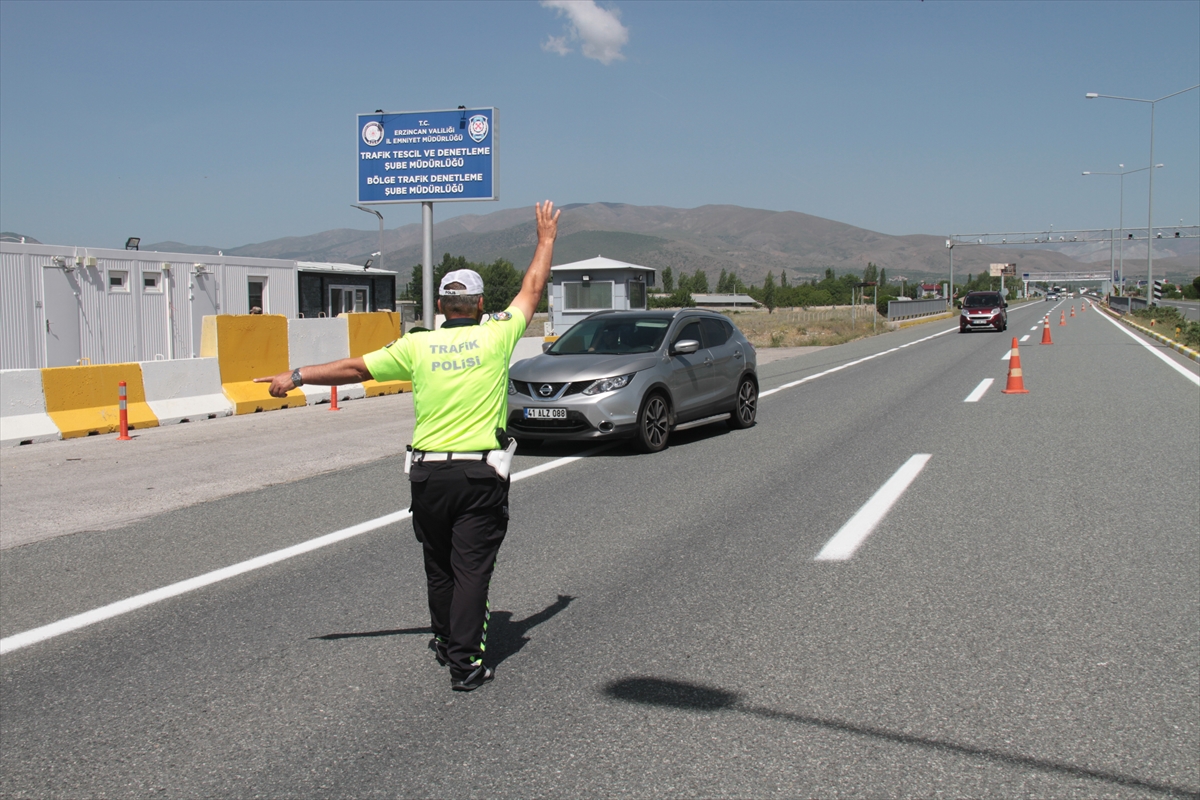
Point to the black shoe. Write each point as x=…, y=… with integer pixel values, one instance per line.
x=439, y=651
x=477, y=678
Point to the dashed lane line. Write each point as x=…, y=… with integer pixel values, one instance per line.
x=74, y=623
x=843, y=544
x=979, y=391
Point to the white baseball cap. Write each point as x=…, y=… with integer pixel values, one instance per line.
x=467, y=277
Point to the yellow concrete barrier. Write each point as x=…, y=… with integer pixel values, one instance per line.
x=369, y=332
x=82, y=401
x=249, y=346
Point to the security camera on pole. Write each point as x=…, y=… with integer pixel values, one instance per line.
x=427, y=157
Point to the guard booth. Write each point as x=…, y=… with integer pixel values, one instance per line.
x=329, y=289
x=585, y=287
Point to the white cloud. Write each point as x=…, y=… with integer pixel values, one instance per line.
x=556, y=44
x=599, y=30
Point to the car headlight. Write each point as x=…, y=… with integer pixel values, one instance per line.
x=608, y=384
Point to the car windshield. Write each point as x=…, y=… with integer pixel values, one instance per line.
x=981, y=301
x=612, y=336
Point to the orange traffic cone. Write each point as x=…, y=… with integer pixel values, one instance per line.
x=1072, y=311
x=1016, y=382
x=1062, y=318
x=1046, y=331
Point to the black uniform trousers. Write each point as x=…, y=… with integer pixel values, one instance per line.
x=460, y=516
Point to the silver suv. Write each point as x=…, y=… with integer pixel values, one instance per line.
x=639, y=374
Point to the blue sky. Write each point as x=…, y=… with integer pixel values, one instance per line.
x=226, y=123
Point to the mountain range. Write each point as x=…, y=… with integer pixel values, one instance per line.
x=747, y=241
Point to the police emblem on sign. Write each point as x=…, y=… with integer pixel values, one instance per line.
x=372, y=133
x=477, y=127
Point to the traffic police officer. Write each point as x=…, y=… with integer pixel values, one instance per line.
x=459, y=467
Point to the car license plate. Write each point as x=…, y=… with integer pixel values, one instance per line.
x=545, y=413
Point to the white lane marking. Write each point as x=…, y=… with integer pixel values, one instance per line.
x=852, y=363
x=1034, y=328
x=854, y=533
x=983, y=386
x=26, y=638
x=1026, y=336
x=1191, y=376
x=34, y=635
x=1007, y=355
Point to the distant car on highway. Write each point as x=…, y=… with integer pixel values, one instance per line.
x=983, y=310
x=635, y=374
x=1051, y=296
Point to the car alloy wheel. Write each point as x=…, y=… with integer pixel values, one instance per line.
x=654, y=424
x=747, y=405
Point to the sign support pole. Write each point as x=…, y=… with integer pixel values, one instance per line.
x=427, y=306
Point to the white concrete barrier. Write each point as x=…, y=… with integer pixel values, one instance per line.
x=317, y=341
x=23, y=417
x=184, y=390
x=528, y=347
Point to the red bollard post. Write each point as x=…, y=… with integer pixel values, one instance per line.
x=123, y=413
x=333, y=406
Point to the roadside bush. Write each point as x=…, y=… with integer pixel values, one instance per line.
x=680, y=298
x=1167, y=319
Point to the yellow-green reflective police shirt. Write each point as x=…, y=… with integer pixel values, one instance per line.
x=460, y=380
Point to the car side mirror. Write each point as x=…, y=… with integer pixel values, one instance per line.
x=546, y=346
x=685, y=347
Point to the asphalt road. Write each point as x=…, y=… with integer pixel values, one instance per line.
x=1189, y=308
x=1023, y=622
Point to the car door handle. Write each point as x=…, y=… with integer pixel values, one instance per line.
x=737, y=353
x=708, y=362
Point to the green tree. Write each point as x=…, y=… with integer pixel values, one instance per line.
x=882, y=277
x=684, y=284
x=871, y=273
x=448, y=264
x=668, y=279
x=700, y=281
x=723, y=282
x=501, y=283
x=783, y=284
x=768, y=293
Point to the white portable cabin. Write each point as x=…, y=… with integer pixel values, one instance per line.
x=63, y=306
x=585, y=287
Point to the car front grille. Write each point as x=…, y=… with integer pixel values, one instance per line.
x=533, y=388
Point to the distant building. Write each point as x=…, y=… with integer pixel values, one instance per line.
x=64, y=305
x=929, y=290
x=724, y=300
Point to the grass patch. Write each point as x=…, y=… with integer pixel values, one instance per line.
x=1170, y=323
x=807, y=327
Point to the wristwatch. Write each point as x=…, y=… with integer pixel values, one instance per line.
x=296, y=379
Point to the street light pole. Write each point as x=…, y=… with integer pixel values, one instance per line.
x=950, y=291
x=1150, y=213
x=376, y=213
x=1122, y=212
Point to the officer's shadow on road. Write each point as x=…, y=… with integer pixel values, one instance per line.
x=706, y=699
x=506, y=636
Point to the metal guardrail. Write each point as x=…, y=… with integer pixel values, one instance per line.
x=910, y=309
x=1126, y=304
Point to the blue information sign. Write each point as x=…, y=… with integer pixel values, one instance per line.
x=421, y=156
